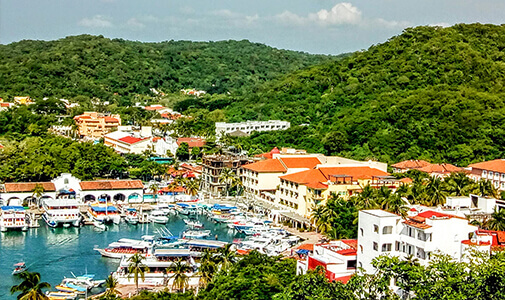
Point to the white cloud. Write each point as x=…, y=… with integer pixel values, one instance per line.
x=290, y=18
x=97, y=21
x=390, y=24
x=135, y=23
x=225, y=13
x=441, y=24
x=341, y=13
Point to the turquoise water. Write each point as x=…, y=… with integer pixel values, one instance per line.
x=57, y=253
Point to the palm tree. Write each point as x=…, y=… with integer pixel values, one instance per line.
x=179, y=269
x=192, y=187
x=395, y=204
x=486, y=188
x=111, y=285
x=226, y=176
x=226, y=257
x=436, y=191
x=137, y=269
x=497, y=221
x=208, y=267
x=30, y=287
x=458, y=183
x=154, y=188
x=367, y=199
x=38, y=191
x=417, y=192
x=237, y=183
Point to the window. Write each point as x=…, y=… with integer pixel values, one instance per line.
x=387, y=230
x=375, y=228
x=490, y=174
x=361, y=249
x=65, y=181
x=361, y=231
x=484, y=173
x=351, y=264
x=397, y=246
x=386, y=247
x=375, y=246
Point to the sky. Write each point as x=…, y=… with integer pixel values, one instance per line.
x=314, y=26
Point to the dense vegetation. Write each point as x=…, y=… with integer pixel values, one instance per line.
x=95, y=66
x=433, y=93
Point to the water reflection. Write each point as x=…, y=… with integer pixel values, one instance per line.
x=13, y=239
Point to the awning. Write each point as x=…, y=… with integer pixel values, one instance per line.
x=296, y=217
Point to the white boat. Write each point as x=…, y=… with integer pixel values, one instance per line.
x=13, y=218
x=132, y=216
x=157, y=216
x=63, y=212
x=19, y=268
x=99, y=225
x=104, y=213
x=196, y=234
x=81, y=283
x=126, y=248
x=193, y=223
x=61, y=295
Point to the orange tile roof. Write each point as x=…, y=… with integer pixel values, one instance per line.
x=411, y=164
x=178, y=189
x=441, y=168
x=111, y=185
x=478, y=243
x=192, y=142
x=317, y=185
x=13, y=187
x=300, y=162
x=355, y=172
x=266, y=166
x=351, y=243
x=497, y=165
x=304, y=177
x=111, y=120
x=417, y=224
x=309, y=247
x=347, y=252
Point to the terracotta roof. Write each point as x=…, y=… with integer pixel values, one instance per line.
x=497, y=165
x=192, y=142
x=111, y=185
x=417, y=224
x=440, y=168
x=131, y=140
x=266, y=166
x=347, y=252
x=351, y=243
x=303, y=177
x=317, y=185
x=309, y=247
x=355, y=172
x=478, y=243
x=13, y=187
x=411, y=164
x=300, y=162
x=178, y=189
x=111, y=120
x=154, y=107
x=430, y=213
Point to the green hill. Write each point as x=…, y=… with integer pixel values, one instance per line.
x=95, y=66
x=433, y=93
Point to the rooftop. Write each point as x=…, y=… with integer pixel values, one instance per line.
x=266, y=166
x=132, y=140
x=192, y=142
x=411, y=164
x=300, y=162
x=304, y=177
x=355, y=172
x=379, y=213
x=497, y=165
x=111, y=185
x=13, y=187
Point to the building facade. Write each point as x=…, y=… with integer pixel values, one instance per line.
x=93, y=125
x=249, y=126
x=493, y=170
x=213, y=165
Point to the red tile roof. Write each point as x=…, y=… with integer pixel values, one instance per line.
x=309, y=247
x=304, y=177
x=497, y=165
x=111, y=185
x=430, y=213
x=178, y=189
x=131, y=140
x=351, y=243
x=192, y=142
x=266, y=166
x=411, y=164
x=300, y=162
x=440, y=168
x=478, y=243
x=13, y=187
x=355, y=172
x=317, y=185
x=419, y=225
x=154, y=107
x=406, y=180
x=347, y=252
x=111, y=120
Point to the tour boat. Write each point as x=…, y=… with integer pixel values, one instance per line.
x=13, y=218
x=196, y=233
x=125, y=247
x=104, y=213
x=132, y=216
x=158, y=216
x=193, y=223
x=19, y=268
x=63, y=212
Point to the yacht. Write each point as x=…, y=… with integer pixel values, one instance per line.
x=197, y=234
x=193, y=223
x=158, y=216
x=126, y=247
x=104, y=213
x=63, y=212
x=132, y=216
x=13, y=218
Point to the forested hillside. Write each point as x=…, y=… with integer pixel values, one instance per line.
x=433, y=93
x=95, y=66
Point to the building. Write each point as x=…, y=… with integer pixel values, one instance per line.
x=124, y=142
x=21, y=193
x=159, y=109
x=493, y=170
x=23, y=100
x=249, y=126
x=92, y=125
x=5, y=105
x=434, y=170
x=112, y=190
x=213, y=165
x=337, y=258
x=192, y=142
x=421, y=234
x=407, y=165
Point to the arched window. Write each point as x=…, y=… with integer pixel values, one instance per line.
x=387, y=230
x=65, y=181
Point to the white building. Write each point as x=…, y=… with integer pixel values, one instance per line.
x=419, y=235
x=250, y=126
x=128, y=140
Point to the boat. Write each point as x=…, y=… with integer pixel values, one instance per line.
x=20, y=267
x=61, y=295
x=196, y=234
x=104, y=213
x=63, y=212
x=99, y=225
x=193, y=223
x=13, y=218
x=79, y=284
x=125, y=248
x=158, y=216
x=64, y=288
x=132, y=216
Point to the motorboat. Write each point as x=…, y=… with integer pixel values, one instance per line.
x=104, y=213
x=13, y=218
x=193, y=223
x=63, y=212
x=61, y=295
x=165, y=208
x=132, y=216
x=82, y=283
x=20, y=267
x=158, y=216
x=99, y=225
x=125, y=248
x=196, y=234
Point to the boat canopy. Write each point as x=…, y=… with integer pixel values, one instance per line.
x=206, y=244
x=15, y=208
x=21, y=264
x=104, y=209
x=172, y=252
x=131, y=209
x=223, y=207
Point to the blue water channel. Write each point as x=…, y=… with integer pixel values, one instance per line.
x=59, y=252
